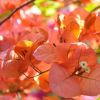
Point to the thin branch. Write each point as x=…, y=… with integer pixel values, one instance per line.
x=15, y=10
x=93, y=10
x=42, y=72
x=18, y=96
x=35, y=68
x=96, y=8
x=37, y=74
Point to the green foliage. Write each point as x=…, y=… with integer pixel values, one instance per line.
x=48, y=7
x=99, y=59
x=98, y=98
x=90, y=7
x=4, y=14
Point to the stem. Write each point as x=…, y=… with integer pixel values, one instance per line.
x=59, y=24
x=38, y=74
x=18, y=96
x=42, y=72
x=15, y=10
x=93, y=11
x=95, y=8
x=35, y=68
x=88, y=78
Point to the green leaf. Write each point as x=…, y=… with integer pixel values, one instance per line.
x=4, y=14
x=90, y=7
x=97, y=51
x=98, y=98
x=99, y=59
x=50, y=11
x=39, y=2
x=49, y=7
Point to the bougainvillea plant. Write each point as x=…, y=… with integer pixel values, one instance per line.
x=49, y=49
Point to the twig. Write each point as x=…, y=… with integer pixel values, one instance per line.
x=18, y=96
x=15, y=10
x=37, y=74
x=35, y=68
x=95, y=8
x=92, y=11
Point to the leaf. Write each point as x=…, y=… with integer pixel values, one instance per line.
x=98, y=59
x=48, y=8
x=90, y=7
x=4, y=14
x=98, y=98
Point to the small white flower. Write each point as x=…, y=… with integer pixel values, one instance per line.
x=87, y=70
x=77, y=72
x=83, y=64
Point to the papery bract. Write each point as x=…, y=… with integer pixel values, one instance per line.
x=14, y=68
x=80, y=52
x=5, y=43
x=90, y=85
x=44, y=83
x=6, y=97
x=83, y=97
x=97, y=23
x=52, y=53
x=13, y=65
x=60, y=84
x=71, y=29
x=72, y=71
x=25, y=48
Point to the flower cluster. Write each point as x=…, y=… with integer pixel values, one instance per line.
x=57, y=54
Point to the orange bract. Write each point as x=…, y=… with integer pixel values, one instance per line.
x=43, y=82
x=13, y=65
x=71, y=31
x=97, y=24
x=23, y=47
x=33, y=42
x=91, y=85
x=60, y=84
x=89, y=21
x=14, y=68
x=66, y=78
x=50, y=53
x=18, y=60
